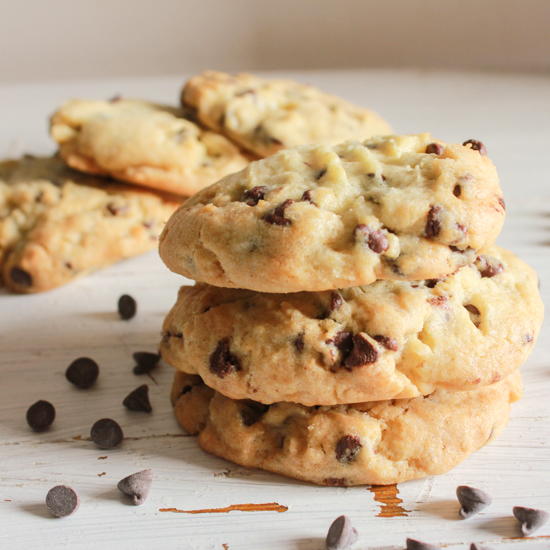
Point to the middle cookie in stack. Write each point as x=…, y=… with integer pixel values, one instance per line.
x=316, y=373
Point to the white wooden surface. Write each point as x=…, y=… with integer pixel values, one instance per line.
x=40, y=335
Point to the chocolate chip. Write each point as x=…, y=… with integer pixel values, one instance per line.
x=116, y=209
x=62, y=501
x=20, y=277
x=472, y=309
x=335, y=481
x=362, y=353
x=488, y=267
x=476, y=146
x=502, y=203
x=127, y=307
x=253, y=196
x=138, y=399
x=336, y=300
x=434, y=149
x=343, y=340
x=277, y=216
x=106, y=433
x=476, y=546
x=413, y=544
x=115, y=99
x=347, y=448
x=341, y=534
x=82, y=372
x=437, y=300
x=146, y=361
x=306, y=196
x=252, y=411
x=472, y=500
x=137, y=486
x=457, y=191
x=375, y=238
x=430, y=283
x=321, y=173
x=387, y=342
x=299, y=342
x=433, y=222
x=40, y=415
x=222, y=361
x=530, y=519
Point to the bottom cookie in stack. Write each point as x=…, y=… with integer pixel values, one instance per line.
x=378, y=442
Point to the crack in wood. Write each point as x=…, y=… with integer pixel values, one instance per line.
x=264, y=507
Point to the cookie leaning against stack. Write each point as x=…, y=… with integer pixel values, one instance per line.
x=333, y=382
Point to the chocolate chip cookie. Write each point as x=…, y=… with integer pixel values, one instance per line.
x=387, y=340
x=265, y=115
x=57, y=224
x=320, y=217
x=379, y=442
x=142, y=143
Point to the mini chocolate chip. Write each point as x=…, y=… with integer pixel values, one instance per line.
x=299, y=342
x=457, y=190
x=20, y=277
x=387, y=342
x=127, y=307
x=62, y=501
x=252, y=411
x=488, y=267
x=383, y=177
x=375, y=238
x=137, y=486
x=106, y=433
x=335, y=481
x=116, y=209
x=341, y=534
x=530, y=519
x=502, y=203
x=138, y=399
x=434, y=149
x=527, y=338
x=321, y=173
x=362, y=353
x=476, y=146
x=253, y=196
x=222, y=361
x=146, y=361
x=306, y=196
x=82, y=372
x=430, y=283
x=336, y=300
x=40, y=415
x=277, y=216
x=413, y=544
x=437, y=300
x=371, y=174
x=347, y=448
x=472, y=500
x=472, y=309
x=433, y=222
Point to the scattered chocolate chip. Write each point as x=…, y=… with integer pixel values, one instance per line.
x=253, y=196
x=413, y=544
x=434, y=149
x=375, y=238
x=476, y=146
x=137, y=486
x=20, y=277
x=362, y=353
x=306, y=196
x=252, y=411
x=502, y=203
x=277, y=216
x=138, y=399
x=457, y=190
x=530, y=519
x=433, y=222
x=476, y=546
x=116, y=209
x=488, y=267
x=387, y=342
x=127, y=307
x=82, y=372
x=146, y=361
x=299, y=342
x=341, y=534
x=321, y=173
x=40, y=415
x=62, y=501
x=106, y=433
x=347, y=448
x=335, y=481
x=472, y=500
x=222, y=361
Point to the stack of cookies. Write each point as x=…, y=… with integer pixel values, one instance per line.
x=353, y=321
x=125, y=165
